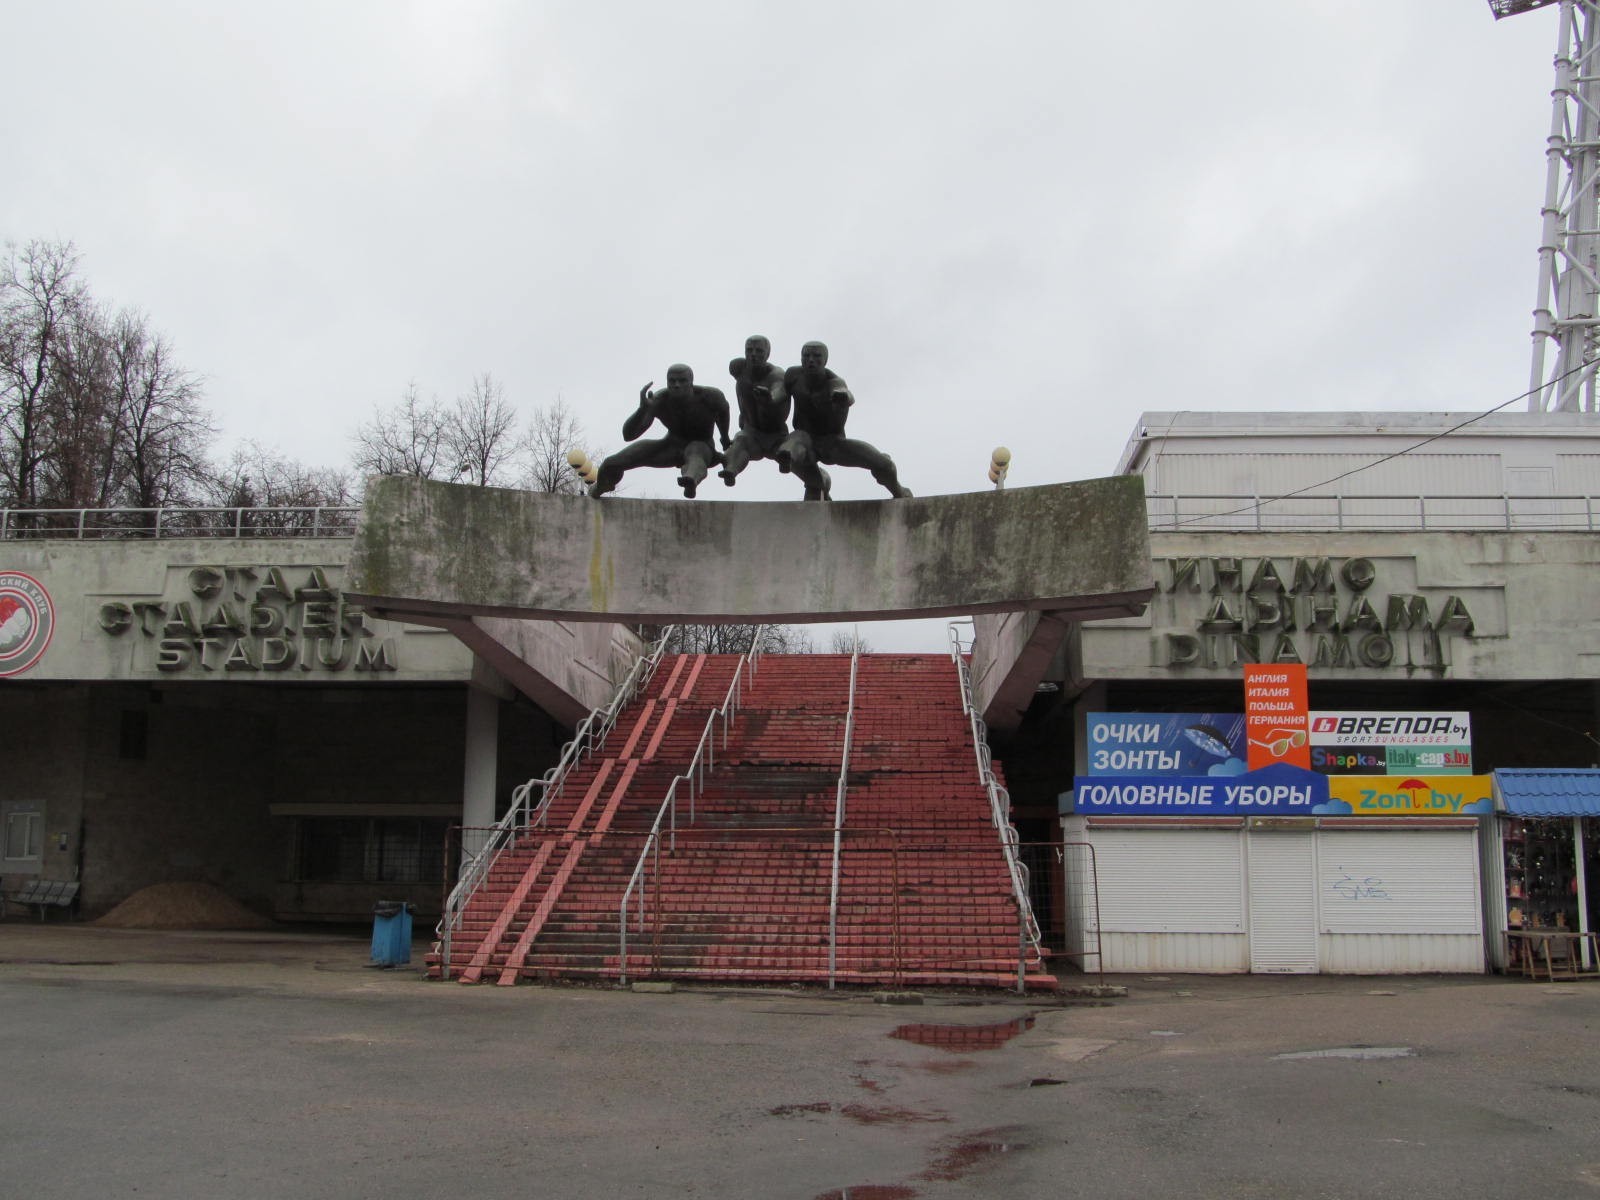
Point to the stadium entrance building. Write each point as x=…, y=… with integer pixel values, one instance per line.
x=1414, y=566
x=192, y=708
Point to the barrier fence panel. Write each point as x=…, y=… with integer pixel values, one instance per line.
x=1079, y=906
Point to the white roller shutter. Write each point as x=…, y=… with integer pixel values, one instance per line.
x=1398, y=881
x=1169, y=881
x=1283, y=921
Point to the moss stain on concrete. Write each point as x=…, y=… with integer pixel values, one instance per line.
x=602, y=572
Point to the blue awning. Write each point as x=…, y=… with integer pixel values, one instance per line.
x=1530, y=792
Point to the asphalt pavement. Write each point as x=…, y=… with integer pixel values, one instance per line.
x=271, y=1064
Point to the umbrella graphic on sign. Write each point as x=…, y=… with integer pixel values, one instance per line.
x=1209, y=738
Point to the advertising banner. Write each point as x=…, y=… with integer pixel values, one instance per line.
x=1340, y=743
x=1275, y=791
x=1275, y=715
x=1165, y=744
x=1391, y=743
x=1410, y=796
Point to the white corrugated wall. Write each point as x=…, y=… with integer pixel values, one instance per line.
x=1399, y=901
x=1185, y=953
x=1375, y=901
x=1283, y=930
x=1399, y=954
x=1170, y=900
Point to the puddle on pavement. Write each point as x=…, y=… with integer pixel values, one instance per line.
x=971, y=1154
x=792, y=1110
x=861, y=1114
x=963, y=1038
x=1360, y=1053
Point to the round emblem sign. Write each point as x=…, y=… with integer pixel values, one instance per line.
x=27, y=619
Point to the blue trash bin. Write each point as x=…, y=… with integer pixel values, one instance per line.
x=391, y=933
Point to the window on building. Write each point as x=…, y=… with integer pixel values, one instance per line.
x=23, y=837
x=371, y=850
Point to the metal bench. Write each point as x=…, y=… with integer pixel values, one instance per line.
x=46, y=894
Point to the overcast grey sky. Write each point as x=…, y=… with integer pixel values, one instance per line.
x=1018, y=223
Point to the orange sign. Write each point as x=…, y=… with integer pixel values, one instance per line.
x=1275, y=715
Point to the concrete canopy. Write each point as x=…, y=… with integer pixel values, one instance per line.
x=449, y=550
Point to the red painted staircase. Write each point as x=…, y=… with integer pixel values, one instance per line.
x=743, y=890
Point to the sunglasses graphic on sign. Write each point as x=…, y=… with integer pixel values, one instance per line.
x=1281, y=741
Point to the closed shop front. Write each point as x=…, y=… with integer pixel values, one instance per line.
x=1278, y=895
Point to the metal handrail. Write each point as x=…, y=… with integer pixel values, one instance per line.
x=695, y=773
x=590, y=734
x=999, y=812
x=838, y=805
x=1578, y=511
x=801, y=833
x=1457, y=513
x=192, y=521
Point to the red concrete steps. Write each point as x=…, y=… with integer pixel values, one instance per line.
x=746, y=897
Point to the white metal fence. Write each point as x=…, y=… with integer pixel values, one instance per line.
x=1399, y=513
x=1166, y=511
x=112, y=524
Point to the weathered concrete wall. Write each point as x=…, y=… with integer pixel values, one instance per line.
x=220, y=778
x=1523, y=607
x=266, y=609
x=445, y=549
x=273, y=610
x=44, y=753
x=1011, y=654
x=1498, y=605
x=568, y=668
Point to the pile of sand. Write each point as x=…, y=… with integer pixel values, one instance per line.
x=182, y=906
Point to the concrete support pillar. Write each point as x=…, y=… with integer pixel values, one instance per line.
x=478, y=768
x=1093, y=699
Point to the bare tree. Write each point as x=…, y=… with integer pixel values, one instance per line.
x=843, y=642
x=95, y=411
x=737, y=639
x=42, y=302
x=76, y=442
x=407, y=439
x=255, y=476
x=552, y=434
x=159, y=431
x=279, y=493
x=480, y=434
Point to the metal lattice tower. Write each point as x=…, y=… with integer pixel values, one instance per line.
x=1567, y=314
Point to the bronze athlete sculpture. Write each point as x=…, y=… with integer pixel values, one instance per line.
x=822, y=403
x=689, y=412
x=763, y=417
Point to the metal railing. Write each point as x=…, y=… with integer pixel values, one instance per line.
x=700, y=765
x=1166, y=511
x=678, y=936
x=104, y=524
x=1402, y=514
x=838, y=806
x=1028, y=933
x=590, y=734
x=1080, y=900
